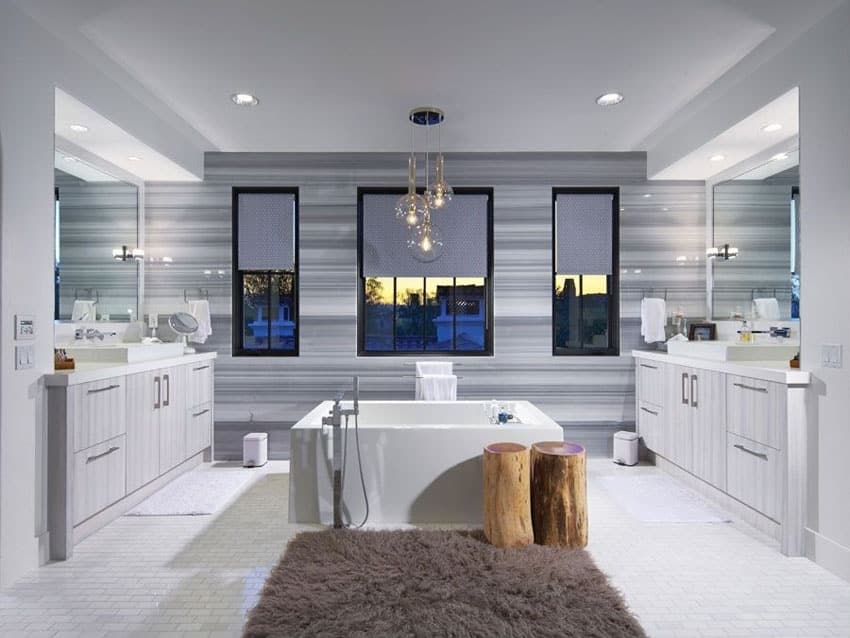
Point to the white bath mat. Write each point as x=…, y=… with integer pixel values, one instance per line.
x=197, y=492
x=660, y=499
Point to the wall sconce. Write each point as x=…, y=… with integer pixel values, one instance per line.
x=128, y=254
x=724, y=252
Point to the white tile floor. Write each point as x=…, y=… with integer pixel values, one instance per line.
x=198, y=576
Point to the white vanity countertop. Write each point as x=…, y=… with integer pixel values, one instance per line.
x=778, y=371
x=97, y=371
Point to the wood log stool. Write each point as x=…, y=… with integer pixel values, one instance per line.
x=507, y=495
x=559, y=493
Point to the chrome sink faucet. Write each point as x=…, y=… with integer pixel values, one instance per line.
x=90, y=334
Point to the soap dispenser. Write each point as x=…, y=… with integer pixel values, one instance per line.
x=746, y=333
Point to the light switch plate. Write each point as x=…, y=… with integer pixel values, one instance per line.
x=24, y=357
x=24, y=327
x=831, y=356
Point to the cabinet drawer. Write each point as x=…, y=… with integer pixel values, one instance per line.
x=650, y=420
x=650, y=382
x=99, y=477
x=754, y=475
x=198, y=428
x=97, y=411
x=200, y=383
x=756, y=410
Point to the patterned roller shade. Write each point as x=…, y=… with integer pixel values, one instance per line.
x=584, y=233
x=464, y=225
x=266, y=231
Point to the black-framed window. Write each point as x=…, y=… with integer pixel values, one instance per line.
x=585, y=271
x=265, y=271
x=442, y=307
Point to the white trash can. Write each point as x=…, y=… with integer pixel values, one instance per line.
x=255, y=449
x=626, y=448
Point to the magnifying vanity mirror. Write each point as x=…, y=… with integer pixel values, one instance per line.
x=97, y=253
x=756, y=247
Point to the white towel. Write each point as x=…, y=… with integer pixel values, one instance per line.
x=436, y=387
x=766, y=308
x=84, y=310
x=433, y=367
x=200, y=310
x=653, y=317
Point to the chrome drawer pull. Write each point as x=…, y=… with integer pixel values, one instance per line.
x=201, y=368
x=650, y=411
x=749, y=451
x=201, y=413
x=749, y=387
x=106, y=389
x=643, y=365
x=114, y=448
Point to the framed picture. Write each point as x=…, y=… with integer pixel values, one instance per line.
x=702, y=332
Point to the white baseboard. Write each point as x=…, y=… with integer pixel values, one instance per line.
x=828, y=554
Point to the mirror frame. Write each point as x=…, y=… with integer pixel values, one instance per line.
x=759, y=159
x=70, y=148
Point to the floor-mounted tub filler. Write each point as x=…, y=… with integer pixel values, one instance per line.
x=421, y=460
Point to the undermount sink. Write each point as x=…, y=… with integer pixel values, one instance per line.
x=733, y=351
x=124, y=352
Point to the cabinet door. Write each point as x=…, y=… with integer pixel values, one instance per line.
x=650, y=381
x=650, y=420
x=172, y=424
x=143, y=433
x=708, y=419
x=198, y=429
x=678, y=435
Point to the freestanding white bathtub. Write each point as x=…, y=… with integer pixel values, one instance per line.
x=421, y=460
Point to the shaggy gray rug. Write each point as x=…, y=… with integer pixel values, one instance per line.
x=435, y=583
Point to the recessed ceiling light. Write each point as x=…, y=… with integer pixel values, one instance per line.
x=609, y=99
x=717, y=158
x=79, y=128
x=134, y=158
x=779, y=157
x=771, y=128
x=68, y=158
x=647, y=195
x=244, y=99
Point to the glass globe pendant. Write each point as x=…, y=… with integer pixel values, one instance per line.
x=411, y=206
x=426, y=241
x=440, y=192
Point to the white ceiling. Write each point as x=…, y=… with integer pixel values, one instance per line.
x=68, y=163
x=340, y=75
x=112, y=143
x=741, y=141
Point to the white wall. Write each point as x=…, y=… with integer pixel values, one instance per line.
x=32, y=63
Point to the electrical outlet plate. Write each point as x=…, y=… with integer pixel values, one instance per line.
x=831, y=356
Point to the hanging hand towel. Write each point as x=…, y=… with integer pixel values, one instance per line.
x=766, y=308
x=84, y=310
x=436, y=387
x=653, y=317
x=200, y=310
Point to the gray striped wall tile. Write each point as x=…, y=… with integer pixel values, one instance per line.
x=191, y=224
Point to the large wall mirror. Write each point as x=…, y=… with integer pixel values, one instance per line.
x=97, y=254
x=756, y=247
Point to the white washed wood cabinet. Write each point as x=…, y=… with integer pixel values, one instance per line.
x=115, y=439
x=740, y=434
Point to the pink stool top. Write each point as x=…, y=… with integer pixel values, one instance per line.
x=558, y=448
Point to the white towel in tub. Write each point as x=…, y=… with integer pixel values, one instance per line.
x=433, y=367
x=436, y=387
x=84, y=310
x=200, y=310
x=766, y=308
x=653, y=317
